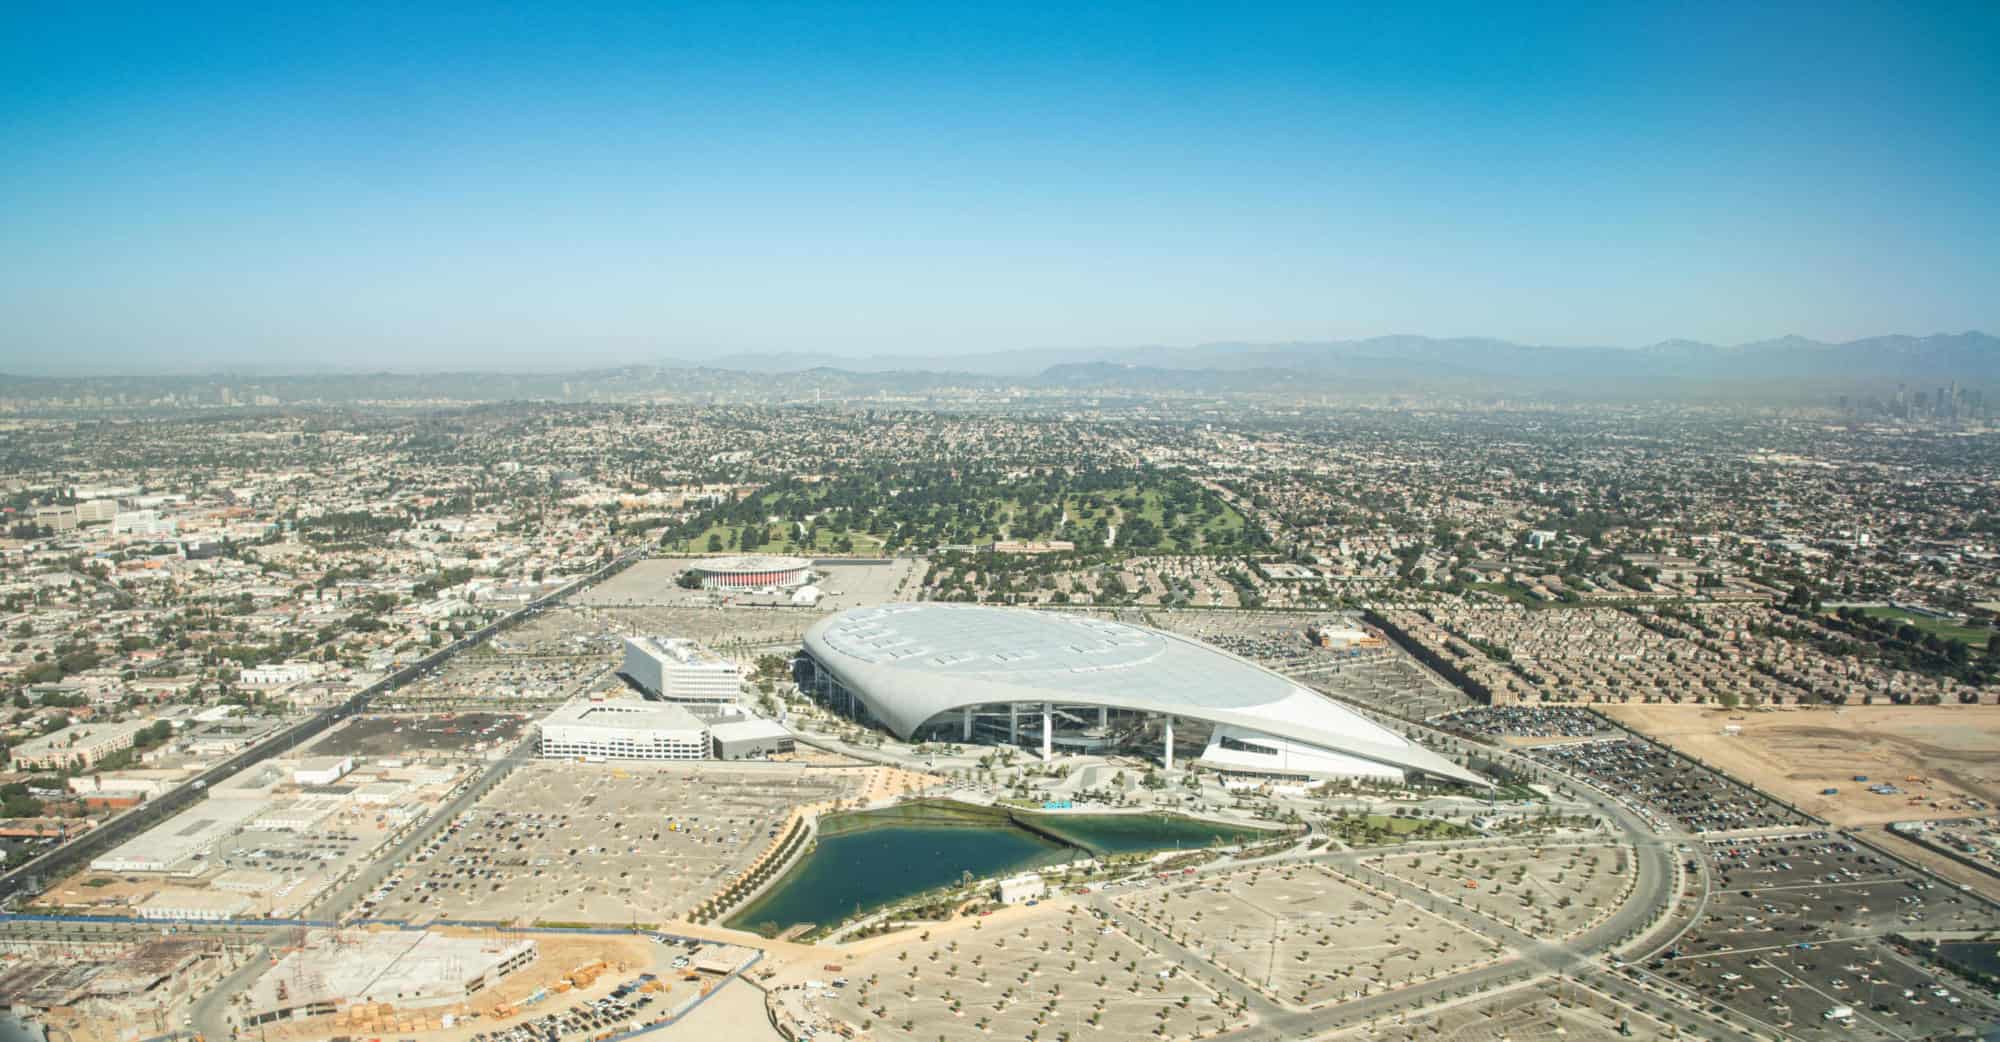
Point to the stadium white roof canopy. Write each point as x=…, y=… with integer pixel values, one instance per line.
x=911, y=663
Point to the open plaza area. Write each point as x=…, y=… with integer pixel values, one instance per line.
x=1305, y=936
x=1038, y=973
x=600, y=843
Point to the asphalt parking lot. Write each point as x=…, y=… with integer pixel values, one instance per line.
x=1644, y=773
x=1524, y=722
x=386, y=735
x=1799, y=937
x=568, y=842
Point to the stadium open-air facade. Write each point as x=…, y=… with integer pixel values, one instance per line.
x=1057, y=682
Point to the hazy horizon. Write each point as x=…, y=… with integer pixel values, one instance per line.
x=542, y=188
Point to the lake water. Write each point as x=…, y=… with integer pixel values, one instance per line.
x=872, y=858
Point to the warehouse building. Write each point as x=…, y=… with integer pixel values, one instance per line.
x=321, y=770
x=179, y=845
x=749, y=738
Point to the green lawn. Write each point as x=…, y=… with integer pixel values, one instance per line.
x=1976, y=636
x=996, y=518
x=787, y=544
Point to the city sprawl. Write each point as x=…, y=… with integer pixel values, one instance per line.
x=983, y=712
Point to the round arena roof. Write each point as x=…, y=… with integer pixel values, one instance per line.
x=910, y=663
x=749, y=563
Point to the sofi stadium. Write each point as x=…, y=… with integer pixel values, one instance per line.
x=1058, y=682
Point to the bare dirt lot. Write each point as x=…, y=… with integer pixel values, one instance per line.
x=1798, y=753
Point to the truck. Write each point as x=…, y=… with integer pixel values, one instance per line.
x=1839, y=1013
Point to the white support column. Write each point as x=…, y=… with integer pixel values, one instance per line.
x=1103, y=718
x=1048, y=731
x=1169, y=745
x=967, y=711
x=1013, y=723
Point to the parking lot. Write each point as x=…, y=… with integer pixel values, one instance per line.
x=1529, y=722
x=1652, y=776
x=1570, y=1014
x=1057, y=971
x=1306, y=936
x=843, y=584
x=420, y=737
x=1797, y=934
x=1548, y=891
x=598, y=843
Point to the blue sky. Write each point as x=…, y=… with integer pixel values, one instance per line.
x=187, y=186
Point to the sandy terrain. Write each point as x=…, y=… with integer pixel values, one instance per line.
x=1955, y=872
x=1795, y=753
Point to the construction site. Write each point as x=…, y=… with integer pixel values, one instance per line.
x=101, y=991
x=453, y=985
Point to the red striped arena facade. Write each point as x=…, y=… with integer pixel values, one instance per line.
x=752, y=573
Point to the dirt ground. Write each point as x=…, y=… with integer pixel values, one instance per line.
x=1796, y=753
x=1955, y=872
x=627, y=957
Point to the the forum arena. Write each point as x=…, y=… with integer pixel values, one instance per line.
x=752, y=573
x=1055, y=682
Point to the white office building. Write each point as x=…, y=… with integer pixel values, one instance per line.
x=622, y=730
x=679, y=670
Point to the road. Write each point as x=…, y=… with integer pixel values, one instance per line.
x=69, y=856
x=210, y=1014
x=336, y=904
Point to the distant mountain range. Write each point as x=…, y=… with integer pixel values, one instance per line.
x=1876, y=356
x=1787, y=369
x=1778, y=368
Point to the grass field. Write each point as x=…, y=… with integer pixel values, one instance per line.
x=985, y=518
x=783, y=540
x=1976, y=636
